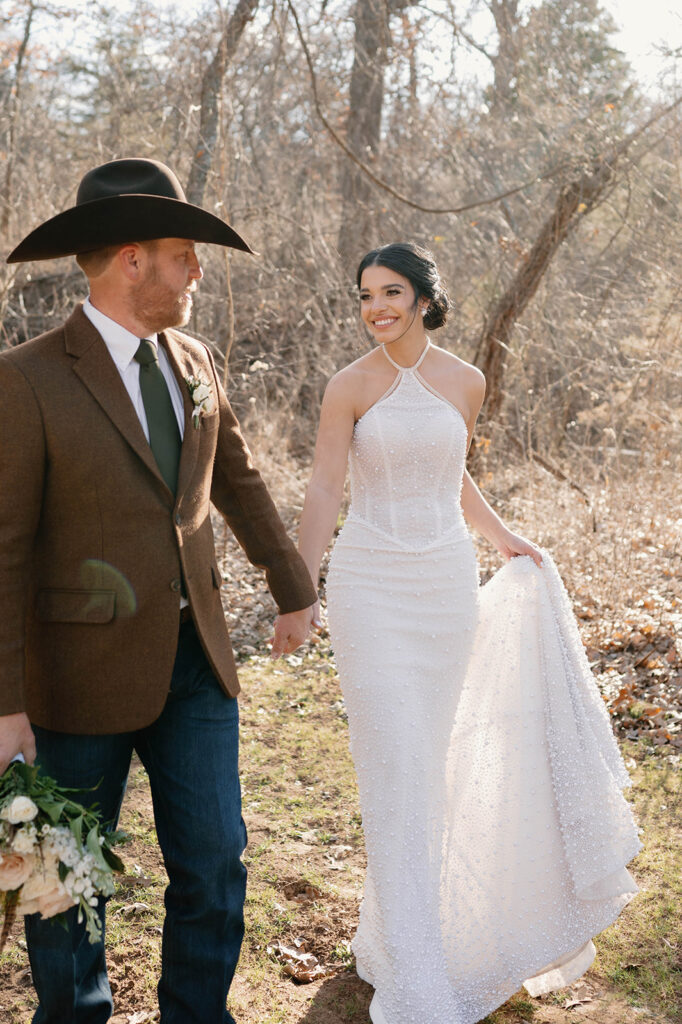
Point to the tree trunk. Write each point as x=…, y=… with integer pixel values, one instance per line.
x=14, y=108
x=211, y=86
x=364, y=126
x=207, y=144
x=363, y=132
x=505, y=61
x=574, y=199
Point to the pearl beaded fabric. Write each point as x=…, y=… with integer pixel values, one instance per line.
x=490, y=782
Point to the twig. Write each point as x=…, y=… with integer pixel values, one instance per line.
x=558, y=473
x=9, y=904
x=488, y=201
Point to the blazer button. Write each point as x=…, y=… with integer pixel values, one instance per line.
x=176, y=585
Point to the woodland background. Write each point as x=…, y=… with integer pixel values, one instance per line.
x=551, y=196
x=278, y=115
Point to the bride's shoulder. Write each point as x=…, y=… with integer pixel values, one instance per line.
x=350, y=379
x=466, y=375
x=359, y=370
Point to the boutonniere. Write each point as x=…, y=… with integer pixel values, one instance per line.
x=202, y=396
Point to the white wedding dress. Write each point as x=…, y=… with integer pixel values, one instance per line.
x=490, y=782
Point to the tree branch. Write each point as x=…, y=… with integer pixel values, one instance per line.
x=211, y=85
x=463, y=208
x=575, y=199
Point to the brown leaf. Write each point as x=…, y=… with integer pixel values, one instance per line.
x=299, y=965
x=310, y=838
x=570, y=1004
x=301, y=892
x=132, y=909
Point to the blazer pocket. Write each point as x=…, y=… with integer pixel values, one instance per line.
x=87, y=606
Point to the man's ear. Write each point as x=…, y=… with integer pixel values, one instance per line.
x=130, y=260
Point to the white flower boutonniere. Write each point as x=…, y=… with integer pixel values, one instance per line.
x=202, y=396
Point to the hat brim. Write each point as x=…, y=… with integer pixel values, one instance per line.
x=116, y=220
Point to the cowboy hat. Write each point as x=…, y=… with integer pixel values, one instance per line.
x=133, y=200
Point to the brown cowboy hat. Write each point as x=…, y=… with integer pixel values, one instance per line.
x=132, y=200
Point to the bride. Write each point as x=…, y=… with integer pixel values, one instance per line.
x=490, y=783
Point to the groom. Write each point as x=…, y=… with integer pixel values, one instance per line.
x=115, y=437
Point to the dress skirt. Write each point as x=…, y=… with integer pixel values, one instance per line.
x=490, y=783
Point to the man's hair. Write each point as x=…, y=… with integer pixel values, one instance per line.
x=96, y=262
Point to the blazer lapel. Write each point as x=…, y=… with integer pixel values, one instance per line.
x=98, y=372
x=183, y=365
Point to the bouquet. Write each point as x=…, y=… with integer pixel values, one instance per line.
x=53, y=852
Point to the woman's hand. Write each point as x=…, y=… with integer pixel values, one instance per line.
x=511, y=545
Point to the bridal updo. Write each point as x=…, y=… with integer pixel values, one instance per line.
x=419, y=267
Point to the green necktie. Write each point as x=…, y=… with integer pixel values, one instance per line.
x=164, y=435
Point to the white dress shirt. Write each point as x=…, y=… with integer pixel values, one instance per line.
x=122, y=346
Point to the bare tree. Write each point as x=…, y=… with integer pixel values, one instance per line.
x=370, y=55
x=13, y=118
x=211, y=92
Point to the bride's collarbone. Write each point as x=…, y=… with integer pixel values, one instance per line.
x=439, y=386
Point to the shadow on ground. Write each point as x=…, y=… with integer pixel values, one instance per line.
x=343, y=999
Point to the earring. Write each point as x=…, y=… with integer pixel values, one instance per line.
x=423, y=311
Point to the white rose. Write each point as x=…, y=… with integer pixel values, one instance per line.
x=208, y=405
x=201, y=393
x=20, y=809
x=44, y=879
x=53, y=901
x=24, y=840
x=14, y=870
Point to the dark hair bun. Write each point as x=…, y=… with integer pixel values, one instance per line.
x=437, y=311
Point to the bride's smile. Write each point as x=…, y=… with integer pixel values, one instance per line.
x=389, y=307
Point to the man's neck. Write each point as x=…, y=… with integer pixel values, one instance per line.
x=119, y=314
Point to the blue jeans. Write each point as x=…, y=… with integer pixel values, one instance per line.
x=191, y=756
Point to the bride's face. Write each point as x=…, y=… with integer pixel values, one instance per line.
x=388, y=304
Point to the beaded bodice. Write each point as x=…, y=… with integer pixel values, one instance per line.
x=407, y=460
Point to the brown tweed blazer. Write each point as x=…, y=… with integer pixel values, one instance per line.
x=93, y=544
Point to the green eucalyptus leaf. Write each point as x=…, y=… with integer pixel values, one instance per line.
x=93, y=846
x=76, y=826
x=113, y=860
x=51, y=807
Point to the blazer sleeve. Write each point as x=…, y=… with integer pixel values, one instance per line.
x=238, y=492
x=22, y=474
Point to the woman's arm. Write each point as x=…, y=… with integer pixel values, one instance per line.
x=476, y=509
x=325, y=490
x=478, y=512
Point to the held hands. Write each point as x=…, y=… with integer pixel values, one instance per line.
x=16, y=737
x=292, y=628
x=511, y=545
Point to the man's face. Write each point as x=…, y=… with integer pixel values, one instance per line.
x=163, y=296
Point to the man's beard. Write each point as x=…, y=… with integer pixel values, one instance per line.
x=157, y=306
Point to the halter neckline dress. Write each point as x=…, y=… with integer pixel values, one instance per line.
x=490, y=782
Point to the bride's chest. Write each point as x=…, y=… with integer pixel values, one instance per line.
x=410, y=431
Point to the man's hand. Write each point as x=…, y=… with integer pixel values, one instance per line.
x=292, y=629
x=16, y=737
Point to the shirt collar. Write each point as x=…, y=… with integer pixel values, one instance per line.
x=121, y=342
